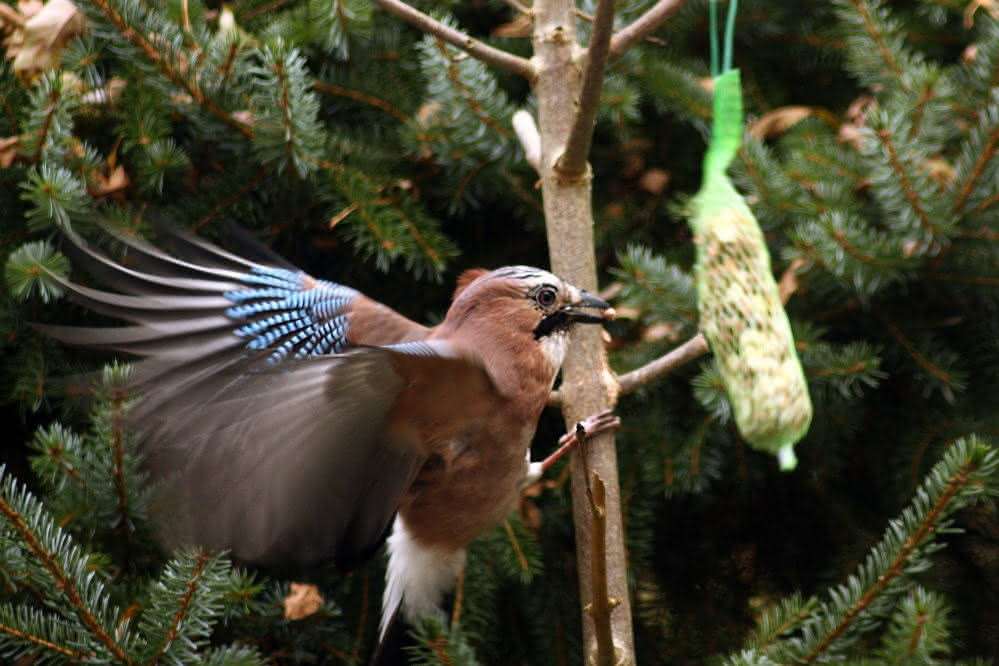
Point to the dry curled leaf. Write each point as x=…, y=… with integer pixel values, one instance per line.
x=654, y=181
x=8, y=150
x=44, y=36
x=520, y=26
x=991, y=6
x=940, y=171
x=302, y=601
x=113, y=182
x=778, y=121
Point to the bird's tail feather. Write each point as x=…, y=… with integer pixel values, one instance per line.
x=392, y=646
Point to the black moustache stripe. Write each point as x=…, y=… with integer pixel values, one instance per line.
x=553, y=322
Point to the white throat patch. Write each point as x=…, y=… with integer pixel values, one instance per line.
x=554, y=346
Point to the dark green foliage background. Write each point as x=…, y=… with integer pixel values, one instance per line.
x=883, y=199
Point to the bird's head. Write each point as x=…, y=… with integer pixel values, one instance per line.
x=525, y=301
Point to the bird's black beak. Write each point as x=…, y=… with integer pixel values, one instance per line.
x=583, y=310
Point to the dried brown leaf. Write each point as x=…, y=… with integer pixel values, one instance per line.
x=520, y=26
x=991, y=6
x=940, y=171
x=114, y=182
x=778, y=121
x=302, y=601
x=8, y=150
x=654, y=181
x=44, y=36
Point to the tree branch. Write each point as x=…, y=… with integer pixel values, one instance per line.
x=627, y=37
x=474, y=47
x=572, y=163
x=662, y=366
x=588, y=387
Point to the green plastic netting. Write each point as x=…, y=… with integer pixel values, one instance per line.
x=741, y=313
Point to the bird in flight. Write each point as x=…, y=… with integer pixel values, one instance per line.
x=294, y=420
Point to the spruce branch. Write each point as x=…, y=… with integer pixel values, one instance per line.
x=971, y=182
x=466, y=94
x=940, y=374
x=880, y=38
x=184, y=602
x=154, y=54
x=474, y=47
x=642, y=27
x=967, y=469
x=49, y=545
x=118, y=470
x=901, y=173
x=248, y=187
x=571, y=164
x=43, y=131
x=34, y=639
x=288, y=131
x=356, y=95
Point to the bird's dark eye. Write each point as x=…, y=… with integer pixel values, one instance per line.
x=546, y=297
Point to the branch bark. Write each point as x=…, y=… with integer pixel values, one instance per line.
x=641, y=27
x=588, y=386
x=662, y=366
x=474, y=47
x=572, y=163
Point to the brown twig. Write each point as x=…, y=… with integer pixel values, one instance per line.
x=75, y=657
x=185, y=604
x=117, y=471
x=474, y=47
x=641, y=27
x=571, y=164
x=263, y=9
x=942, y=375
x=602, y=605
x=361, y=97
x=911, y=195
x=231, y=199
x=679, y=356
x=988, y=152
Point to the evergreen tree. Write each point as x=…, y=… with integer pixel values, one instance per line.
x=370, y=153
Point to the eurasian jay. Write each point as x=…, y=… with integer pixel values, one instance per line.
x=291, y=419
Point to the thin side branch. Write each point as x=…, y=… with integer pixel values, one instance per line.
x=527, y=132
x=642, y=27
x=679, y=356
x=474, y=47
x=572, y=163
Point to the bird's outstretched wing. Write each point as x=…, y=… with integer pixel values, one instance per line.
x=274, y=431
x=307, y=461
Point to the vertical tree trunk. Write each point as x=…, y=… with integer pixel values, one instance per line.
x=587, y=386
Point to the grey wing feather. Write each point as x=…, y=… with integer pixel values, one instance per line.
x=289, y=465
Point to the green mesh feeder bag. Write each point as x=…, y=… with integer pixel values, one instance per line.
x=741, y=314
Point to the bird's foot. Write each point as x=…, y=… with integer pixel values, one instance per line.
x=588, y=427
